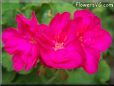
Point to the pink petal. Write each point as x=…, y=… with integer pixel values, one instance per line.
x=26, y=59
x=85, y=20
x=9, y=32
x=92, y=58
x=32, y=58
x=26, y=25
x=18, y=64
x=98, y=39
x=69, y=32
x=46, y=37
x=59, y=22
x=66, y=58
x=34, y=18
x=25, y=53
x=8, y=37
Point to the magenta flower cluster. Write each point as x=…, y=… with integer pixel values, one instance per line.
x=64, y=43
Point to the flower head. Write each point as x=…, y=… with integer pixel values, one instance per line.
x=59, y=48
x=92, y=37
x=63, y=44
x=22, y=42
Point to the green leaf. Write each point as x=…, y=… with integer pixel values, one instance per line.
x=79, y=76
x=27, y=13
x=104, y=72
x=32, y=78
x=10, y=1
x=49, y=10
x=23, y=72
x=9, y=11
x=9, y=6
x=47, y=13
x=6, y=61
x=37, y=1
x=62, y=7
x=7, y=77
x=100, y=12
x=108, y=24
x=61, y=77
x=52, y=78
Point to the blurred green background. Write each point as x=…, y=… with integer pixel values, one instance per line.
x=45, y=10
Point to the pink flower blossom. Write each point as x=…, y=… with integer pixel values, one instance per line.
x=63, y=44
x=93, y=38
x=21, y=43
x=59, y=48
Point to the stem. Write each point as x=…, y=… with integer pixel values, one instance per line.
x=67, y=72
x=52, y=78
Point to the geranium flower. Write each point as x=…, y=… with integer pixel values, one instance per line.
x=21, y=43
x=59, y=48
x=63, y=44
x=93, y=38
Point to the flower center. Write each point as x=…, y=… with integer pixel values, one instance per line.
x=33, y=41
x=81, y=38
x=58, y=46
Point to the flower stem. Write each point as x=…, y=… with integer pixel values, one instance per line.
x=52, y=78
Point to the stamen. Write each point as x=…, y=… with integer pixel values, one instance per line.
x=58, y=46
x=81, y=38
x=33, y=41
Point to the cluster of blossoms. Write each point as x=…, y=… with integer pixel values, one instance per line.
x=64, y=43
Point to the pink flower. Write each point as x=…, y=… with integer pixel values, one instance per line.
x=63, y=44
x=59, y=48
x=22, y=43
x=92, y=37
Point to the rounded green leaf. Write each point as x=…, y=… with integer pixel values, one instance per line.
x=6, y=61
x=104, y=72
x=7, y=77
x=62, y=7
x=31, y=78
x=79, y=76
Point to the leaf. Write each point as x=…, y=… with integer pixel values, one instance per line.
x=27, y=13
x=47, y=13
x=104, y=72
x=100, y=12
x=9, y=6
x=61, y=77
x=23, y=72
x=36, y=1
x=31, y=78
x=79, y=76
x=49, y=10
x=9, y=11
x=7, y=77
x=62, y=7
x=49, y=81
x=6, y=61
x=10, y=1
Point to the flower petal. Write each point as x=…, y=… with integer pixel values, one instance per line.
x=18, y=64
x=66, y=58
x=32, y=58
x=92, y=60
x=26, y=25
x=46, y=37
x=98, y=39
x=59, y=22
x=25, y=52
x=85, y=20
